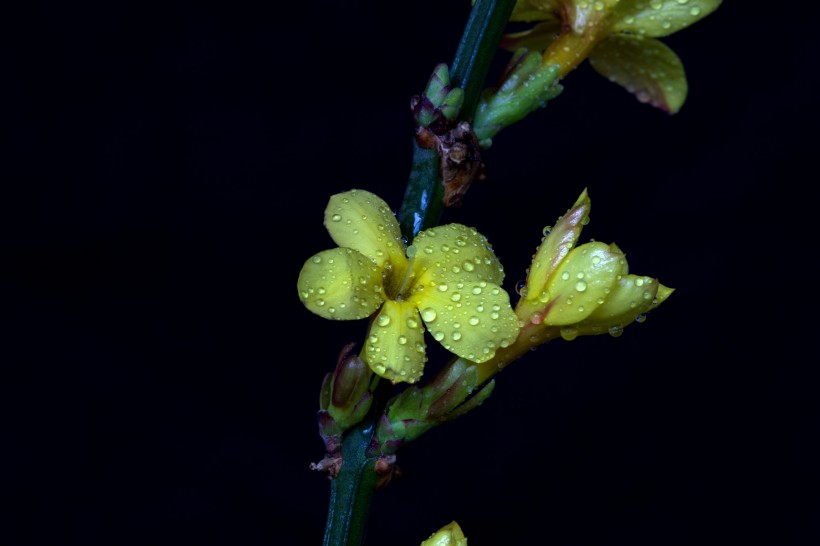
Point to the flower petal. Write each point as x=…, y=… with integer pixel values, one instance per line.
x=449, y=535
x=395, y=347
x=470, y=319
x=362, y=221
x=645, y=67
x=582, y=283
x=340, y=283
x=455, y=249
x=585, y=16
x=630, y=297
x=657, y=18
x=555, y=247
x=535, y=10
x=537, y=38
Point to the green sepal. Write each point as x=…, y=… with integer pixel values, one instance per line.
x=525, y=86
x=417, y=409
x=329, y=431
x=645, y=67
x=438, y=85
x=440, y=104
x=451, y=106
x=324, y=392
x=478, y=398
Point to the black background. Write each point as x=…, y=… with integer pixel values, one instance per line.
x=166, y=171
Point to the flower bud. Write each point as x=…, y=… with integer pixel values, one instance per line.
x=585, y=289
x=449, y=535
x=346, y=395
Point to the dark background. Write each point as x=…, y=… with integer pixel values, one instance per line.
x=165, y=172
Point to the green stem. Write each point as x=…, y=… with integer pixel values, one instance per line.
x=422, y=205
x=477, y=49
x=352, y=491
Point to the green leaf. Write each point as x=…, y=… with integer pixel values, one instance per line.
x=645, y=67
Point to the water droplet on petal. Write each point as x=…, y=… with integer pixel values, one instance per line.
x=615, y=330
x=569, y=333
x=640, y=318
x=580, y=286
x=456, y=336
x=428, y=314
x=474, y=321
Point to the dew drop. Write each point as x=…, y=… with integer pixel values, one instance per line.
x=428, y=314
x=476, y=290
x=383, y=320
x=320, y=302
x=456, y=336
x=468, y=266
x=565, y=276
x=438, y=336
x=580, y=286
x=615, y=330
x=402, y=340
x=456, y=296
x=569, y=333
x=442, y=288
x=317, y=259
x=640, y=318
x=474, y=321
x=694, y=11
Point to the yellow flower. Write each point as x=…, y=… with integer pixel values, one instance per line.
x=448, y=280
x=449, y=535
x=585, y=289
x=575, y=290
x=618, y=37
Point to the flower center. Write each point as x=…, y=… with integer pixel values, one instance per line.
x=398, y=286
